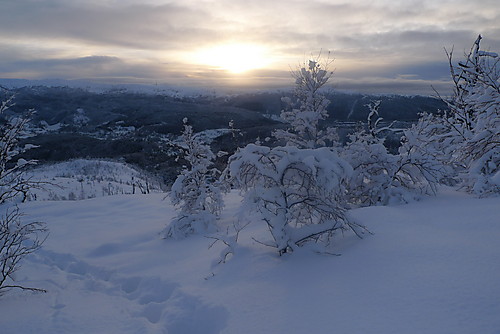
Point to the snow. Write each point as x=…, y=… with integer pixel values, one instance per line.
x=488, y=54
x=80, y=118
x=430, y=267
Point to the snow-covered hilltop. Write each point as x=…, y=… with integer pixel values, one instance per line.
x=82, y=179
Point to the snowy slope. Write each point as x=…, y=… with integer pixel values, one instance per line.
x=430, y=267
x=83, y=178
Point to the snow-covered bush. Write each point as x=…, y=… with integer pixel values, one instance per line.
x=373, y=166
x=307, y=108
x=435, y=138
x=380, y=177
x=373, y=170
x=474, y=120
x=419, y=170
x=300, y=193
x=196, y=191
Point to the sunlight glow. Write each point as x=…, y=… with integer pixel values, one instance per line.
x=235, y=58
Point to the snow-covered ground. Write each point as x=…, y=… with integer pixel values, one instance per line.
x=429, y=267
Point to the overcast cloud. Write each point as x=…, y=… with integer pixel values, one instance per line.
x=378, y=46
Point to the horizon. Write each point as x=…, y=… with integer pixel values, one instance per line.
x=377, y=47
x=188, y=91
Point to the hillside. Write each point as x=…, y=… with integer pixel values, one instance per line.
x=139, y=128
x=83, y=179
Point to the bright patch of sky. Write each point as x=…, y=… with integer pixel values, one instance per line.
x=378, y=46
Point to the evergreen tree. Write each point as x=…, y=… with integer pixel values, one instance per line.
x=307, y=108
x=196, y=191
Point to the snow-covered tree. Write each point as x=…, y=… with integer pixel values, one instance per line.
x=462, y=145
x=17, y=239
x=299, y=193
x=300, y=189
x=13, y=181
x=307, y=108
x=475, y=114
x=196, y=191
x=474, y=120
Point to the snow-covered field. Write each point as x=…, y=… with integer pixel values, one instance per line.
x=429, y=267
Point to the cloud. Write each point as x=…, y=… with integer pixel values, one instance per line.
x=152, y=39
x=133, y=25
x=405, y=86
x=429, y=70
x=71, y=68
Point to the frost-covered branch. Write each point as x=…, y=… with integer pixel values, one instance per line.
x=230, y=240
x=17, y=240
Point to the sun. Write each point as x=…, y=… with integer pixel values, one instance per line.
x=235, y=58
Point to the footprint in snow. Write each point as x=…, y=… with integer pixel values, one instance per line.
x=160, y=303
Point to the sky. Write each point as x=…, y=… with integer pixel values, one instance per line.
x=376, y=46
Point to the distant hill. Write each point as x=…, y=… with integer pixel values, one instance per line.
x=347, y=107
x=140, y=128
